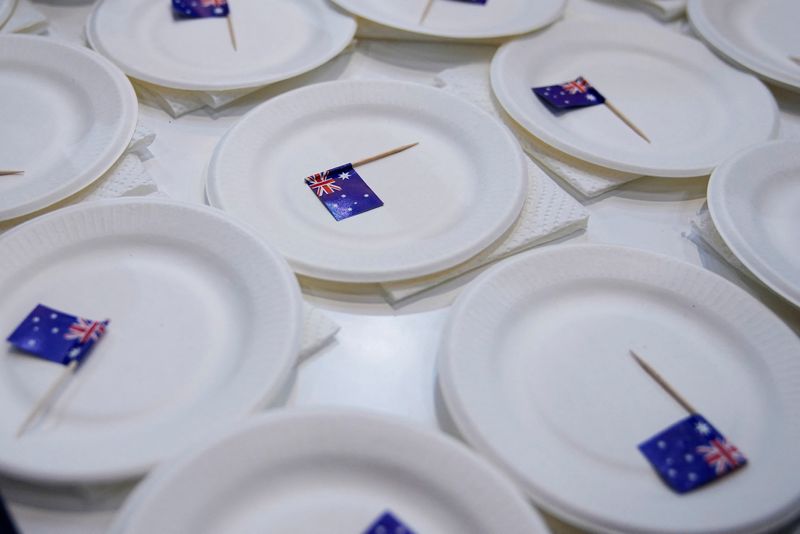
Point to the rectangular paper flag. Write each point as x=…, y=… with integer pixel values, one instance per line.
x=56, y=336
x=570, y=95
x=201, y=8
x=691, y=453
x=481, y=2
x=388, y=524
x=343, y=192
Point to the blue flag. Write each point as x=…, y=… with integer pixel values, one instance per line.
x=388, y=524
x=56, y=336
x=570, y=95
x=343, y=192
x=691, y=453
x=201, y=8
x=481, y=2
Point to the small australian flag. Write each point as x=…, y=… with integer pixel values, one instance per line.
x=481, y=2
x=691, y=453
x=343, y=192
x=388, y=524
x=201, y=8
x=570, y=95
x=57, y=336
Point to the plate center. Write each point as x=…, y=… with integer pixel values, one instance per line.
x=177, y=325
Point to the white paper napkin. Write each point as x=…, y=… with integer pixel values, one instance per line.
x=547, y=214
x=471, y=82
x=25, y=18
x=665, y=9
x=703, y=228
x=318, y=330
x=177, y=102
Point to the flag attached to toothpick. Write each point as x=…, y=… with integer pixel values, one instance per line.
x=570, y=95
x=579, y=93
x=388, y=524
x=57, y=336
x=198, y=9
x=201, y=8
x=690, y=453
x=343, y=192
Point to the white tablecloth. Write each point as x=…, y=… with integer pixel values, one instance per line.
x=383, y=358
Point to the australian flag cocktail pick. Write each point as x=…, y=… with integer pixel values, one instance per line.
x=691, y=453
x=56, y=336
x=388, y=524
x=481, y=2
x=201, y=8
x=343, y=192
x=570, y=95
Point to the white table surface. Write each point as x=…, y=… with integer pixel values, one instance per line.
x=383, y=358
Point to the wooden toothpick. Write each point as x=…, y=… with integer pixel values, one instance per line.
x=231, y=31
x=48, y=397
x=11, y=173
x=626, y=120
x=384, y=154
x=427, y=10
x=663, y=383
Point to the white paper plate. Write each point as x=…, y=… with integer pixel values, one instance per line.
x=760, y=35
x=754, y=200
x=459, y=20
x=536, y=373
x=445, y=200
x=205, y=327
x=67, y=116
x=696, y=109
x=331, y=471
x=6, y=9
x=277, y=39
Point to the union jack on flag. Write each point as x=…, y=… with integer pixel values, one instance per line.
x=574, y=94
x=84, y=330
x=691, y=453
x=343, y=192
x=322, y=184
x=721, y=455
x=201, y=8
x=57, y=336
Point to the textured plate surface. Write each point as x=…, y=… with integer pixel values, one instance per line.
x=536, y=373
x=754, y=200
x=760, y=35
x=696, y=109
x=67, y=114
x=205, y=327
x=445, y=200
x=335, y=471
x=277, y=39
x=459, y=20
